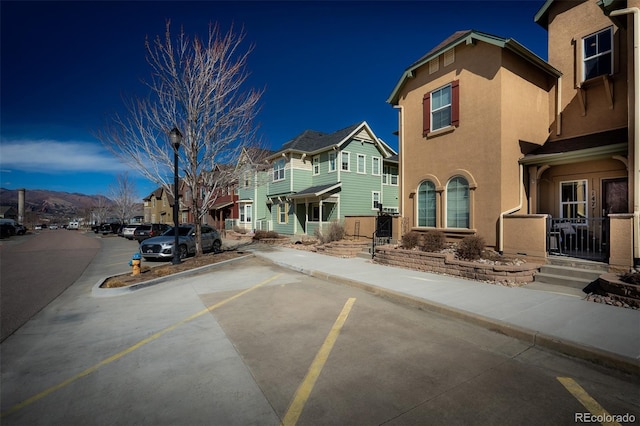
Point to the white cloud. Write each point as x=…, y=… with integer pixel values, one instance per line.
x=51, y=156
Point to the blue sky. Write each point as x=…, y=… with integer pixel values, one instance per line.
x=66, y=65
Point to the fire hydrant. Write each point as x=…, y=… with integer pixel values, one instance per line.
x=135, y=263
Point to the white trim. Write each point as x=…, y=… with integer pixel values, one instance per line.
x=314, y=165
x=348, y=169
x=364, y=164
x=373, y=200
x=373, y=172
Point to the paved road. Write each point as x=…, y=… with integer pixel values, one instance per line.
x=36, y=268
x=238, y=345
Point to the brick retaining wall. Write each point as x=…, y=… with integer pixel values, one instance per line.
x=446, y=264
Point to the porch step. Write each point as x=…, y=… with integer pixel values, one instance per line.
x=567, y=276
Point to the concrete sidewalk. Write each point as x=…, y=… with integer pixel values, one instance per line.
x=599, y=333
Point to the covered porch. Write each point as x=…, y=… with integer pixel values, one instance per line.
x=315, y=207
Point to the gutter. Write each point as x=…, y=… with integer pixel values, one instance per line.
x=400, y=109
x=633, y=119
x=513, y=210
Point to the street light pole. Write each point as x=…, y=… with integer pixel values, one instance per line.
x=176, y=137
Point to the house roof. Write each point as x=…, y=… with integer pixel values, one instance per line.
x=602, y=144
x=470, y=37
x=316, y=191
x=313, y=141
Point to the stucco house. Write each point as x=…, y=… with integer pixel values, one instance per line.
x=317, y=178
x=535, y=156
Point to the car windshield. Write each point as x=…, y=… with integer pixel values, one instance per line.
x=183, y=231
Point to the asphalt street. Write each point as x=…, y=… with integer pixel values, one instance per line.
x=251, y=342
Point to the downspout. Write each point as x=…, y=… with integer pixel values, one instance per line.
x=633, y=120
x=513, y=210
x=401, y=164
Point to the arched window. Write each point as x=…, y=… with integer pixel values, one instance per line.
x=427, y=204
x=458, y=203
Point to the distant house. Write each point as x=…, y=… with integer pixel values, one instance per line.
x=318, y=178
x=8, y=212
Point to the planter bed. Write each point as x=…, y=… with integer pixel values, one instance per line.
x=445, y=263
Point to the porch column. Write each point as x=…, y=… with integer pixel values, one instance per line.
x=306, y=216
x=320, y=216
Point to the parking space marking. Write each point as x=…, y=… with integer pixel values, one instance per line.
x=585, y=399
x=305, y=388
x=132, y=348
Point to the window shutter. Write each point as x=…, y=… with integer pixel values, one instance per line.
x=455, y=103
x=426, y=114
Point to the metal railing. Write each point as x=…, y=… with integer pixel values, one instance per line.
x=585, y=238
x=379, y=240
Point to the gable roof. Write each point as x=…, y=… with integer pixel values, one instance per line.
x=470, y=37
x=312, y=141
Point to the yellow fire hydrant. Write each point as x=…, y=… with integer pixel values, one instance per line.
x=135, y=263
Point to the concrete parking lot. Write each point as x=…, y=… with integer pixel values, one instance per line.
x=254, y=343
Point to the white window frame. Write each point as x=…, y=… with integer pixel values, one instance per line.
x=316, y=164
x=332, y=162
x=444, y=107
x=375, y=197
x=576, y=203
x=348, y=154
x=375, y=165
x=283, y=209
x=278, y=172
x=598, y=52
x=364, y=164
x=245, y=213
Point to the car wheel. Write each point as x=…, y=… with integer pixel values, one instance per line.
x=182, y=252
x=216, y=246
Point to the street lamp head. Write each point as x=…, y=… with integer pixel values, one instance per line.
x=176, y=138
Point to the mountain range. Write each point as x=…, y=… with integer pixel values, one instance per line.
x=43, y=205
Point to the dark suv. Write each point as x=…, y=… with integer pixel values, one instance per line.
x=148, y=230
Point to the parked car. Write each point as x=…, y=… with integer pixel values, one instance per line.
x=161, y=247
x=149, y=230
x=109, y=228
x=7, y=230
x=128, y=230
x=54, y=226
x=20, y=229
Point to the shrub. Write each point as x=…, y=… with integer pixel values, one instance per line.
x=410, y=239
x=471, y=247
x=335, y=232
x=239, y=230
x=259, y=235
x=434, y=241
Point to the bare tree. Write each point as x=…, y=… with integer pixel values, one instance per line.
x=100, y=209
x=123, y=195
x=196, y=85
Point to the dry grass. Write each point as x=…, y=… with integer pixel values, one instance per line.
x=148, y=273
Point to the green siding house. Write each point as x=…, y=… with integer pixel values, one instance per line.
x=318, y=178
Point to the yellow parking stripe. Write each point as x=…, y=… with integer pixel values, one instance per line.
x=586, y=400
x=130, y=349
x=305, y=388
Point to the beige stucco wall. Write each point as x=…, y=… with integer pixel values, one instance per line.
x=621, y=242
x=496, y=111
x=525, y=235
x=569, y=22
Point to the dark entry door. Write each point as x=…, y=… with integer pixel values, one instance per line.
x=615, y=196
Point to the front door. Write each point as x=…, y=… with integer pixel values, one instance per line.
x=615, y=196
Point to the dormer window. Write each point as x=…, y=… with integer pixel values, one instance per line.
x=597, y=54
